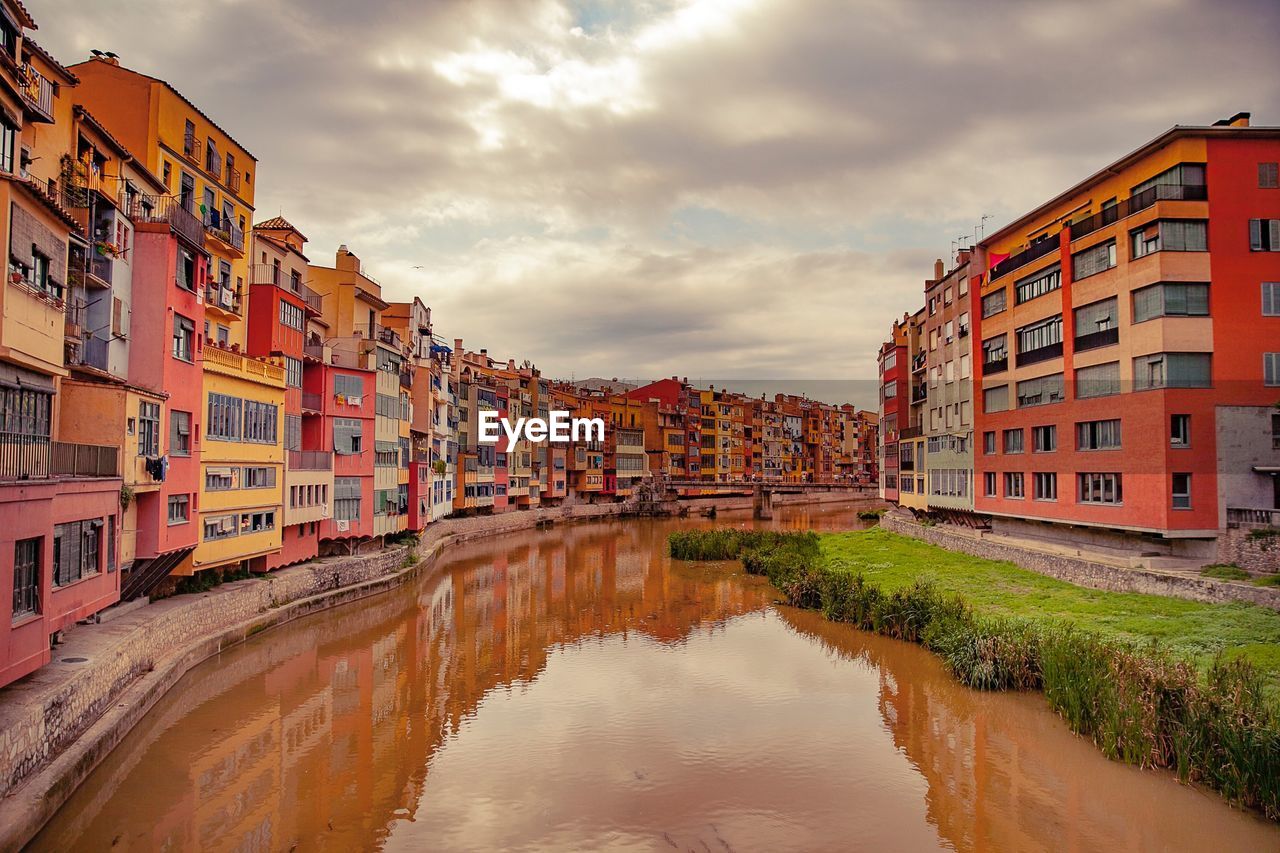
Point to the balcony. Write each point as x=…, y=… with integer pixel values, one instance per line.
x=919, y=393
x=1039, y=354
x=312, y=403
x=227, y=362
x=318, y=351
x=1094, y=340
x=37, y=93
x=995, y=365
x=387, y=336
x=100, y=267
x=918, y=362
x=224, y=231
x=223, y=298
x=1026, y=256
x=35, y=457
x=406, y=381
x=310, y=460
x=1141, y=201
x=167, y=210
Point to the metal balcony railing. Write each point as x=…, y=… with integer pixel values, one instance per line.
x=168, y=210
x=1039, y=354
x=1026, y=256
x=223, y=296
x=37, y=92
x=23, y=456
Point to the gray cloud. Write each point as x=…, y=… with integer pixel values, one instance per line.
x=730, y=187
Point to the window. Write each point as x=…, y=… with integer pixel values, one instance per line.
x=76, y=550
x=1170, y=299
x=996, y=399
x=1182, y=491
x=989, y=484
x=25, y=411
x=26, y=578
x=219, y=479
x=186, y=272
x=348, y=386
x=347, y=436
x=1172, y=370
x=179, y=509
x=1040, y=391
x=993, y=303
x=180, y=433
x=1271, y=299
x=1013, y=441
x=148, y=429
x=1180, y=430
x=293, y=432
x=1094, y=260
x=890, y=390
x=1098, y=435
x=1174, y=183
x=1271, y=368
x=111, y=543
x=995, y=354
x=966, y=366
x=258, y=477
x=962, y=322
x=183, y=338
x=1096, y=325
x=224, y=335
x=1268, y=176
x=1044, y=486
x=8, y=139
x=1100, y=380
x=257, y=522
x=261, y=422
x=1044, y=439
x=291, y=316
x=1045, y=281
x=346, y=498
x=1014, y=486
x=293, y=371
x=1275, y=432
x=224, y=421
x=220, y=527
x=989, y=442
x=1099, y=488
x=1169, y=235
x=1264, y=235
x=1045, y=336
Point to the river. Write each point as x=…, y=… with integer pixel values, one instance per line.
x=575, y=688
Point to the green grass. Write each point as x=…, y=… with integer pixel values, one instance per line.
x=1267, y=580
x=1225, y=572
x=1190, y=630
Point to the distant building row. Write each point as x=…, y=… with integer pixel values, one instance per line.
x=1106, y=367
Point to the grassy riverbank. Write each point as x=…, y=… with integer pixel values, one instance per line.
x=1154, y=681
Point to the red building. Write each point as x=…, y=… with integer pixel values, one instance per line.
x=895, y=388
x=338, y=417
x=1127, y=347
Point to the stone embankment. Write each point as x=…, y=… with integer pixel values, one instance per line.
x=57, y=724
x=1078, y=568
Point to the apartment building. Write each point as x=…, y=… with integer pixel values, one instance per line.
x=1125, y=345
x=946, y=410
x=360, y=343
x=61, y=501
x=280, y=307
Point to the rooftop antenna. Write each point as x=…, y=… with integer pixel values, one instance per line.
x=982, y=225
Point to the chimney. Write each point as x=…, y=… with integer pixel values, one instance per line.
x=484, y=352
x=457, y=347
x=938, y=270
x=346, y=260
x=1240, y=119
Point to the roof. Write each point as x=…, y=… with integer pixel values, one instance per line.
x=1178, y=131
x=279, y=244
x=88, y=118
x=183, y=97
x=24, y=17
x=50, y=204
x=27, y=41
x=279, y=223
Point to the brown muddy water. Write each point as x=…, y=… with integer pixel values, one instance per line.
x=576, y=689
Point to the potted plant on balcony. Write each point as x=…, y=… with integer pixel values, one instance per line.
x=107, y=249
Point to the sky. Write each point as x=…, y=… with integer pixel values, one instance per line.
x=731, y=188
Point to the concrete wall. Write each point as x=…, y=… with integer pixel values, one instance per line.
x=1244, y=441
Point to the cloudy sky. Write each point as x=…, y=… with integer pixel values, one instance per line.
x=733, y=188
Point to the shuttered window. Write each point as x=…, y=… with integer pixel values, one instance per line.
x=995, y=399
x=1271, y=299
x=1172, y=370
x=1171, y=299
x=348, y=435
x=1093, y=260
x=1264, y=235
x=1100, y=380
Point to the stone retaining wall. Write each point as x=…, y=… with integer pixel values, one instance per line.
x=1253, y=548
x=1083, y=572
x=55, y=729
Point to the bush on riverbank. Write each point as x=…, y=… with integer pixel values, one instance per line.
x=1139, y=700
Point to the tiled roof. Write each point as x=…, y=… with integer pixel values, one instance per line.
x=48, y=57
x=279, y=223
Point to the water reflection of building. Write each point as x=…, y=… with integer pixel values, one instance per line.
x=326, y=728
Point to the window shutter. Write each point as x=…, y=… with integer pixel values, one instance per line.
x=1274, y=226
x=117, y=317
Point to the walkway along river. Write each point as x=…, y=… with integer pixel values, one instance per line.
x=576, y=688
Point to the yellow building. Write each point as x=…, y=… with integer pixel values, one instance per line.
x=212, y=176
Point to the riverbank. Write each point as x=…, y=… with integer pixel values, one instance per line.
x=1153, y=680
x=59, y=723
